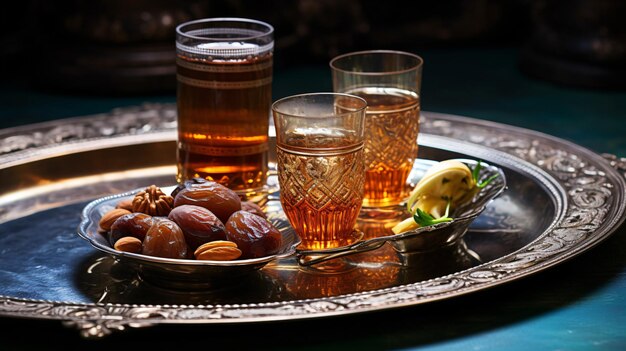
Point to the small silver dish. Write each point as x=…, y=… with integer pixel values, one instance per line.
x=178, y=274
x=423, y=239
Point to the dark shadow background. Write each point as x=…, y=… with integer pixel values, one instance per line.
x=555, y=66
x=121, y=47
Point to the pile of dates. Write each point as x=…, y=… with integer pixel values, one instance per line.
x=201, y=219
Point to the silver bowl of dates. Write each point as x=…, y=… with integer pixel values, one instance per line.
x=196, y=235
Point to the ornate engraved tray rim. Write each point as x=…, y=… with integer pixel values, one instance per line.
x=592, y=189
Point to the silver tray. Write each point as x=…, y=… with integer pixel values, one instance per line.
x=561, y=200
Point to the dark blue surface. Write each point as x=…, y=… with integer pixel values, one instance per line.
x=577, y=305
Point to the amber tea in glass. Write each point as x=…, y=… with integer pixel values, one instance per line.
x=224, y=94
x=390, y=83
x=319, y=147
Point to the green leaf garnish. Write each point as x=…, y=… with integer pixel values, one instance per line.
x=476, y=173
x=486, y=181
x=425, y=219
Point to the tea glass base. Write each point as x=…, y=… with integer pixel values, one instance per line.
x=258, y=195
x=329, y=260
x=332, y=266
x=383, y=210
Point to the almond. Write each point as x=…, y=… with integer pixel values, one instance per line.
x=218, y=250
x=128, y=244
x=220, y=254
x=215, y=243
x=126, y=204
x=108, y=218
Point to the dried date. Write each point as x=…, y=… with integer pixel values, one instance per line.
x=198, y=224
x=213, y=196
x=165, y=239
x=131, y=224
x=254, y=235
x=252, y=207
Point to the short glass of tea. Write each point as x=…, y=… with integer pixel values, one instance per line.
x=390, y=82
x=224, y=95
x=321, y=170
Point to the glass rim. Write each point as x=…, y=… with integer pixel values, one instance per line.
x=179, y=28
x=338, y=115
x=420, y=62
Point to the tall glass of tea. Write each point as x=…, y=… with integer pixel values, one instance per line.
x=224, y=95
x=321, y=170
x=390, y=82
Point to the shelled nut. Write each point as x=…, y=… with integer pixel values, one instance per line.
x=153, y=201
x=218, y=250
x=109, y=218
x=126, y=204
x=128, y=244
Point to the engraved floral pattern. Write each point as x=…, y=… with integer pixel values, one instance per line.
x=137, y=120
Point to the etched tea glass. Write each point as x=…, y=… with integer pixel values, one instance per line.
x=321, y=170
x=390, y=82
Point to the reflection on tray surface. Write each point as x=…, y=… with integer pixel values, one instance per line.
x=283, y=278
x=100, y=279
x=104, y=280
x=83, y=274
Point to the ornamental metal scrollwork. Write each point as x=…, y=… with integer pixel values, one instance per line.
x=134, y=120
x=586, y=186
x=588, y=189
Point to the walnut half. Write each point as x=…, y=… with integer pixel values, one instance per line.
x=153, y=201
